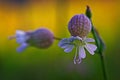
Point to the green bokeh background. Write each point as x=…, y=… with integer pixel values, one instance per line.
x=53, y=63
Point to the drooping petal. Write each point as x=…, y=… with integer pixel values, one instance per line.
x=89, y=40
x=66, y=42
x=20, y=40
x=20, y=36
x=77, y=58
x=62, y=42
x=91, y=48
x=22, y=47
x=69, y=48
x=64, y=45
x=82, y=53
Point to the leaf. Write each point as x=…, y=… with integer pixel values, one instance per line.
x=99, y=42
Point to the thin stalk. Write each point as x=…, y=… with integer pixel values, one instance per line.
x=11, y=37
x=96, y=36
x=56, y=38
x=103, y=66
x=100, y=44
x=100, y=51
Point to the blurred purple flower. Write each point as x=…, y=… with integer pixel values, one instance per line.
x=40, y=38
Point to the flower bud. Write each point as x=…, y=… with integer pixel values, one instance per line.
x=88, y=12
x=40, y=38
x=79, y=25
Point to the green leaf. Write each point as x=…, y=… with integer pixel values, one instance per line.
x=99, y=42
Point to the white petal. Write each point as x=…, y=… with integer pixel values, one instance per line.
x=19, y=32
x=20, y=40
x=22, y=47
x=62, y=42
x=79, y=38
x=64, y=46
x=89, y=40
x=69, y=48
x=77, y=57
x=91, y=48
x=82, y=53
x=20, y=36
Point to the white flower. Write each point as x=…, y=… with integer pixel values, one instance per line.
x=81, y=44
x=21, y=38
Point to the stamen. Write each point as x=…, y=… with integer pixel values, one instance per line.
x=11, y=37
x=75, y=56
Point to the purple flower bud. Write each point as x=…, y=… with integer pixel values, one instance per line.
x=79, y=25
x=40, y=38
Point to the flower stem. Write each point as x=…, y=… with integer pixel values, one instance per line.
x=56, y=38
x=103, y=66
x=100, y=44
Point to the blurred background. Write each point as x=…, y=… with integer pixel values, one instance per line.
x=53, y=63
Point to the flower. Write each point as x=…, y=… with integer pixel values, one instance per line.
x=80, y=44
x=79, y=26
x=40, y=38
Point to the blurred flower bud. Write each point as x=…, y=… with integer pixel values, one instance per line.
x=88, y=12
x=40, y=38
x=79, y=25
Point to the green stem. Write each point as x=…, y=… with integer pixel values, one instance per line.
x=100, y=51
x=95, y=35
x=103, y=66
x=100, y=44
x=56, y=38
